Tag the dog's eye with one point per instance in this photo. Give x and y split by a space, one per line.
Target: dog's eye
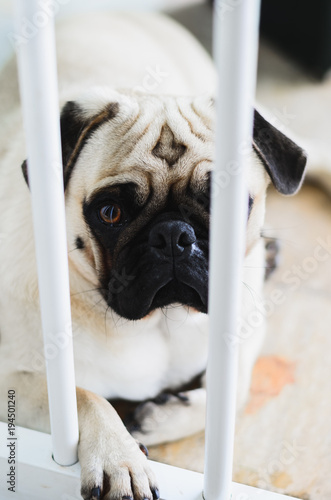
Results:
111 214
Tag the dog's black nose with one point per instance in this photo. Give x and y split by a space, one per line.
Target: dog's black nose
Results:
172 238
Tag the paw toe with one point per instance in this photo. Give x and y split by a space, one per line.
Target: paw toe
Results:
89 493
155 492
96 493
120 485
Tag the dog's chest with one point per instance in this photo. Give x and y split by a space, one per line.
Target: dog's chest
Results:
143 358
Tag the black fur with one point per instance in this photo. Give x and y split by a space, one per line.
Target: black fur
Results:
284 161
250 204
80 245
135 275
24 168
73 125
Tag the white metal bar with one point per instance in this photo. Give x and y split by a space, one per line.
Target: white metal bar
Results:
235 53
39 477
39 95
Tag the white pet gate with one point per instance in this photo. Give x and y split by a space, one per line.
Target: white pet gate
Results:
38 475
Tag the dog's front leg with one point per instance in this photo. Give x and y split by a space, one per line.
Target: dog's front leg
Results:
112 463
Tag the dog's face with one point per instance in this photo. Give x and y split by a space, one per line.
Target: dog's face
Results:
137 174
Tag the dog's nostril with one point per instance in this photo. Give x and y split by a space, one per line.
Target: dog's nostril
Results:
171 238
186 239
158 241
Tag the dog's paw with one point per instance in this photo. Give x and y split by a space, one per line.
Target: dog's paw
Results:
114 465
168 417
115 469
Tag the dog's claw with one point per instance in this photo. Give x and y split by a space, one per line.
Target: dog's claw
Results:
155 493
95 493
143 449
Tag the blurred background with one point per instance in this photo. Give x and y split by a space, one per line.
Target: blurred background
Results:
283 438
70 7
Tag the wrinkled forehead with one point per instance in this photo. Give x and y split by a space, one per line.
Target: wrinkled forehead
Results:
153 141
159 143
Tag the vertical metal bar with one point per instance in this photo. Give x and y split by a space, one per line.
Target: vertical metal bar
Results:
235 53
39 95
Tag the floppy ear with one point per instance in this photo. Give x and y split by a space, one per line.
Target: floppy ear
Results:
284 161
24 168
77 126
72 126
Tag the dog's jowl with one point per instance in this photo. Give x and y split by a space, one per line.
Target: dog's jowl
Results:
137 169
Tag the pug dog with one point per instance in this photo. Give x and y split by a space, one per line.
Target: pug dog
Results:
137 164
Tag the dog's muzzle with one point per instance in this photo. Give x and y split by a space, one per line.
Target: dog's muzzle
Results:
164 267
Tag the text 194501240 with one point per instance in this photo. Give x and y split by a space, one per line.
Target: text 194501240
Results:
11 441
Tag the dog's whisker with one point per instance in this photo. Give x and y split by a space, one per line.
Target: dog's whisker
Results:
257 267
88 263
91 309
253 293
282 228
96 304
97 289
275 238
287 241
105 318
